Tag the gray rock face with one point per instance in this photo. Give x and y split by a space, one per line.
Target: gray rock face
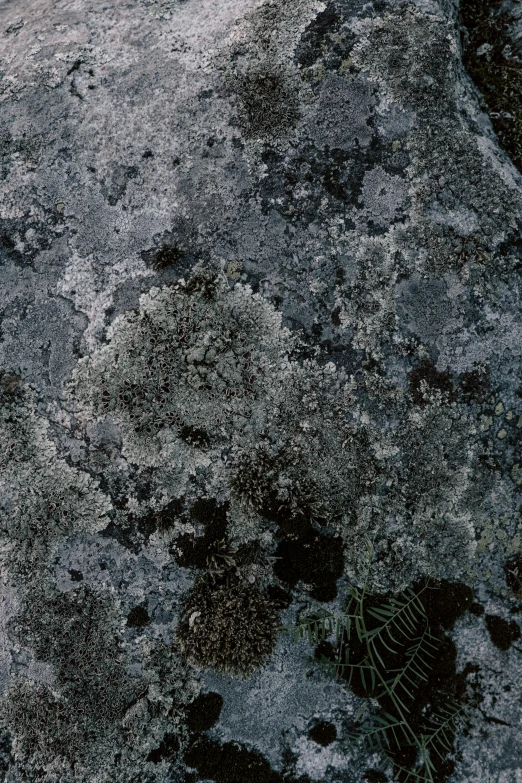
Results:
260 306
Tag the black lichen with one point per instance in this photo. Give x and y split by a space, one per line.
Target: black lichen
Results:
229 763
313 558
229 627
138 617
502 633
425 381
475 384
323 733
168 749
204 712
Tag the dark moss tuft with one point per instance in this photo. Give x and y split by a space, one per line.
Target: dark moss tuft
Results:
323 733
279 597
230 627
138 617
204 712
194 552
476 609
165 518
502 632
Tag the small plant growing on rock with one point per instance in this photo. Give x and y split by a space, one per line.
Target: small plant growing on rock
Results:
389 652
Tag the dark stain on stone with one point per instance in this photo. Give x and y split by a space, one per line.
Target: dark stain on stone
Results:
502 632
138 617
204 712
324 733
168 749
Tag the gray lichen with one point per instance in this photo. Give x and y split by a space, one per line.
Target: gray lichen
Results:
43 498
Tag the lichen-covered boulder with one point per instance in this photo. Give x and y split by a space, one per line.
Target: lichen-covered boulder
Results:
260 350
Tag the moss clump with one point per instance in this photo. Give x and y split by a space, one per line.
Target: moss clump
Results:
230 627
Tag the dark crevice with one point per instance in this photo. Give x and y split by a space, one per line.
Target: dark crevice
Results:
491 58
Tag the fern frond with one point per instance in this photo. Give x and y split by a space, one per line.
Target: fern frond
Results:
417 665
320 626
378 730
401 616
444 726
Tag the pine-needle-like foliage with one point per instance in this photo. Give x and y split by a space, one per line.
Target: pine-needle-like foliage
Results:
385 649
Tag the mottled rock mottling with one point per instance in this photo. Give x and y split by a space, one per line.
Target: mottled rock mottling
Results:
260 303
